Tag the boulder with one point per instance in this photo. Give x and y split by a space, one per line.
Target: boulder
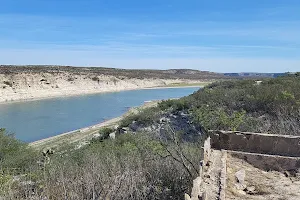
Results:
96 135
134 126
240 176
251 190
112 135
240 179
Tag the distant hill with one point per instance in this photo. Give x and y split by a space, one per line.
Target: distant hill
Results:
129 73
254 74
134 73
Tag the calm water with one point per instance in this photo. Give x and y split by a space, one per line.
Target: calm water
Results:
34 120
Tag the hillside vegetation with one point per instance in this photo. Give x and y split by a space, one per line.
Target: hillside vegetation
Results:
156 152
270 106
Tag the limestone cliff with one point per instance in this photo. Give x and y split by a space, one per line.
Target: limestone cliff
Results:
29 82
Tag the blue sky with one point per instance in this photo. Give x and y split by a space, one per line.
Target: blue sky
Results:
220 36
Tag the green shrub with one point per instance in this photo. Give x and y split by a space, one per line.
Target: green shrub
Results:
271 106
175 104
5 182
133 166
104 133
15 154
166 104
144 117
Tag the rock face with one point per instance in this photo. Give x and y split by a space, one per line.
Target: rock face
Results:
27 85
20 83
168 123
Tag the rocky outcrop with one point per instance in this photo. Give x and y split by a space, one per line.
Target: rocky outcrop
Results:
167 123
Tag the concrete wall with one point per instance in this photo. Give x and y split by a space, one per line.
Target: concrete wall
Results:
269 162
256 143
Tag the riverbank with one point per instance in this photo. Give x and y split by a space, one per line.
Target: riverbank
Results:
19 83
86 133
202 84
82 93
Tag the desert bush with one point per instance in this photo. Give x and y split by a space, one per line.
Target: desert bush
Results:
95 78
272 106
17 161
70 79
176 105
104 134
8 83
133 166
5 182
166 104
14 153
144 117
130 167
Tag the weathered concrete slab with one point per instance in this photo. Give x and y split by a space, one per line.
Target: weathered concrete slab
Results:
269 162
283 145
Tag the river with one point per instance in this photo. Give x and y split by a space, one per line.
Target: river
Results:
39 119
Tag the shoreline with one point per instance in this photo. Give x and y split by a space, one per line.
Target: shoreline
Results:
86 132
81 134
100 92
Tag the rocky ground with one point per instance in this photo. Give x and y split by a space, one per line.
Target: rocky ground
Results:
244 181
167 123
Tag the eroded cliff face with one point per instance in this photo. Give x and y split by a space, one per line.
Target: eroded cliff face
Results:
31 85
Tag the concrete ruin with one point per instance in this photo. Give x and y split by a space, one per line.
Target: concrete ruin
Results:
241 165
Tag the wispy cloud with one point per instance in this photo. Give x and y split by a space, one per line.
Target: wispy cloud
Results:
206 45
28 27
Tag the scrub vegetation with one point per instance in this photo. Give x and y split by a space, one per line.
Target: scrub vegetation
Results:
128 167
119 73
268 106
141 165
